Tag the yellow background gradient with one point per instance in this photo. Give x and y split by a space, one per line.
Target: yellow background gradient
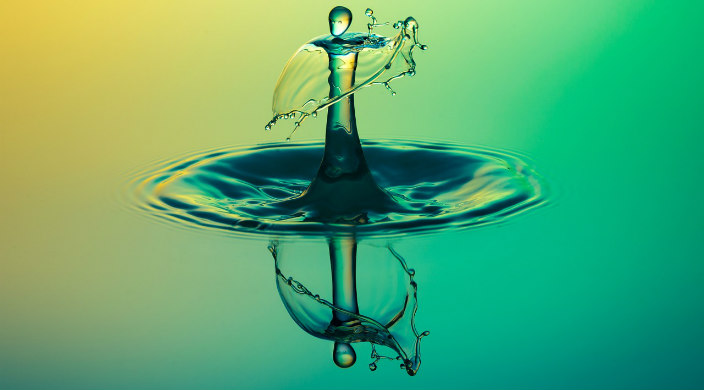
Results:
601 290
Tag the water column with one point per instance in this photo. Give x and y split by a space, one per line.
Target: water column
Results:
343 160
343 190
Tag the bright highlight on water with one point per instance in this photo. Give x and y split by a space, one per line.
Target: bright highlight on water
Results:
342 193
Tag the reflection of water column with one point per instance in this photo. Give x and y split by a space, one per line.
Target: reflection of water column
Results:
343 264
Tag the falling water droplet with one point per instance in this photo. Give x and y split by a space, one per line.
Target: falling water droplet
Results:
410 23
340 19
369 12
343 355
372 366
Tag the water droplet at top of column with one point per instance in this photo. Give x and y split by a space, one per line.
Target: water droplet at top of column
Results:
340 19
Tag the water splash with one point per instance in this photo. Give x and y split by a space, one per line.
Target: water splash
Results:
408 187
302 90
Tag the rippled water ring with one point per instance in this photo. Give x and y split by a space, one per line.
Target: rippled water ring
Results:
237 190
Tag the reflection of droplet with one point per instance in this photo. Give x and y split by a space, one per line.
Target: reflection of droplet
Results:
343 355
340 19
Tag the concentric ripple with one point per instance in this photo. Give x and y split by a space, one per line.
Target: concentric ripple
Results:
239 190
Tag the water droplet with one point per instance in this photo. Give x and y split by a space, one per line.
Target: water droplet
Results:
288 139
372 366
314 114
398 24
424 47
393 93
340 18
369 12
426 333
343 355
286 116
411 271
411 23
267 127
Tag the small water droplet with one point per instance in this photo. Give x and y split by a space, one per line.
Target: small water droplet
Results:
340 18
288 139
393 93
343 355
425 333
286 116
369 12
424 47
411 271
267 127
410 23
314 114
372 366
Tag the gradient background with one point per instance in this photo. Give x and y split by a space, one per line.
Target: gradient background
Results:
602 290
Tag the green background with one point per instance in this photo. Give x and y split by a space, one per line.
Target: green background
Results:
602 289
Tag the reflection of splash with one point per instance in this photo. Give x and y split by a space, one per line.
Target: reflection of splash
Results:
302 89
393 328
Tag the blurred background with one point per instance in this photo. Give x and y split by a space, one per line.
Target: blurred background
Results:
602 289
